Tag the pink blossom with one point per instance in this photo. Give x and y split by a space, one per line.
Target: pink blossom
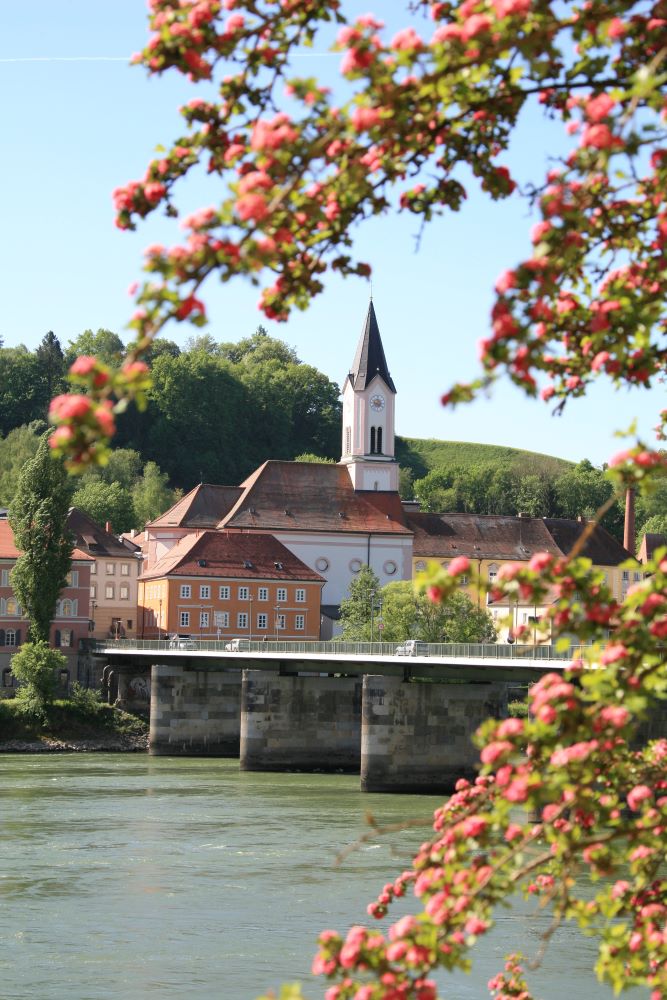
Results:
599 107
445 32
253 181
598 136
252 206
614 653
475 926
617 28
365 118
600 360
539 561
406 39
509 727
504 8
575 752
458 565
477 24
492 751
513 832
71 406
517 790
637 795
506 281
615 715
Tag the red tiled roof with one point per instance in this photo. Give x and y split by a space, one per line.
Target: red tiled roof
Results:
92 538
479 536
232 555
305 496
8 549
203 507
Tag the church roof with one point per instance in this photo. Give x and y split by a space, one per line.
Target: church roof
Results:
232 555
369 360
307 496
202 507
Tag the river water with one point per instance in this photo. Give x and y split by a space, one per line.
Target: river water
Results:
128 877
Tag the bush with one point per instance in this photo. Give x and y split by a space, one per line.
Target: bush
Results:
35 667
86 701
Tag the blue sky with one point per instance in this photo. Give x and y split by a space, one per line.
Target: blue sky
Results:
77 121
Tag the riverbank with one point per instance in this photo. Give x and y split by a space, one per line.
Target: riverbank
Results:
72 727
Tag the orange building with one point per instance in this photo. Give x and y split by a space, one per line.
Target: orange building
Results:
222 585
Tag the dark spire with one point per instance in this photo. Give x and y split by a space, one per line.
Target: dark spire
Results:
369 360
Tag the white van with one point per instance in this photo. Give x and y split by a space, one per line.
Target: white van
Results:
412 647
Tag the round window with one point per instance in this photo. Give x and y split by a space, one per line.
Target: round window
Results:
390 567
322 563
420 565
355 565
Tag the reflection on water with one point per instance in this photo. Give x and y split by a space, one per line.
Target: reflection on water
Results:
127 877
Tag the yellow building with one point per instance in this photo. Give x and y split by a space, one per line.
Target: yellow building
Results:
490 541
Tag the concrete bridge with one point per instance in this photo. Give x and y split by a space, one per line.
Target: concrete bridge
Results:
403 723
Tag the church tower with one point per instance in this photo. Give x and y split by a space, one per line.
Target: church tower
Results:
369 398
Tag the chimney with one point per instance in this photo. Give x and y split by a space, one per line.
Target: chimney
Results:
629 527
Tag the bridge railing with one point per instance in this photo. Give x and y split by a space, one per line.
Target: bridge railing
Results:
440 650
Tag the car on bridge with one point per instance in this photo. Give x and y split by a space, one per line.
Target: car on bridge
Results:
182 642
237 645
412 647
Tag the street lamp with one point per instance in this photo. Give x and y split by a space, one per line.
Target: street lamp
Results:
250 619
277 609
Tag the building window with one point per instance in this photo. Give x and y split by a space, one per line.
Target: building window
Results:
244 593
108 592
203 619
636 577
282 594
110 569
4 578
66 637
263 594
300 622
463 581
261 621
222 619
205 592
67 608
300 594
124 592
280 621
129 623
93 569
626 576
242 619
493 572
11 606
224 593
73 578
10 637
93 590
124 569
420 565
184 619
186 590
390 567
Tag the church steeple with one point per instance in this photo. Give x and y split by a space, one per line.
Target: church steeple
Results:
369 360
368 414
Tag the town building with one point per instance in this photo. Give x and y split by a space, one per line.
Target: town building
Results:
114 577
70 624
334 518
223 585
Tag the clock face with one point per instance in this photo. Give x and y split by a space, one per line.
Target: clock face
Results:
377 402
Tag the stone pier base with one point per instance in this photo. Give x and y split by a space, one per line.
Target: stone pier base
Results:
309 723
194 712
418 737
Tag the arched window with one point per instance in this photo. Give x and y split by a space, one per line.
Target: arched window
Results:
379 441
493 572
66 608
12 606
372 440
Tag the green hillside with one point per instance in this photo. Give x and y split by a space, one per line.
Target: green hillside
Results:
422 456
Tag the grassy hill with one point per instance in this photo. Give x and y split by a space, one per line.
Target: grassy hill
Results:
424 455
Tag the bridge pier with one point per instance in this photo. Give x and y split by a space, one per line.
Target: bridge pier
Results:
310 723
418 737
194 712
